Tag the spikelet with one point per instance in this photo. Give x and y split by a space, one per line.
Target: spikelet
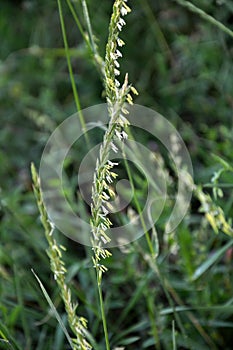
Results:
77 324
116 95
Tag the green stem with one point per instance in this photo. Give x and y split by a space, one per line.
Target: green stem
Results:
211 185
89 39
156 30
137 204
151 310
89 28
99 278
174 335
77 21
75 92
205 16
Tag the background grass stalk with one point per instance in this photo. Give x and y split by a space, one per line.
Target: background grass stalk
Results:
67 50
205 16
77 324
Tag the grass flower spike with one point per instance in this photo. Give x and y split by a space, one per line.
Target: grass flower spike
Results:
77 324
116 95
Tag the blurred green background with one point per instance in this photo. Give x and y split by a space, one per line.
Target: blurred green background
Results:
182 67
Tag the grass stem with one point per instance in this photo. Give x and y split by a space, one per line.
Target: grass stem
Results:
205 16
75 91
102 309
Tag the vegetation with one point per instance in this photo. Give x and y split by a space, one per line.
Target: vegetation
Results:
164 290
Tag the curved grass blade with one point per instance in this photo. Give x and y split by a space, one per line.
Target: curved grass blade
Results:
53 308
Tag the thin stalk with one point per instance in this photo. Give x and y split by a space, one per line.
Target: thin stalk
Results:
151 311
211 185
77 21
75 92
174 335
205 16
89 28
102 309
137 204
156 30
89 40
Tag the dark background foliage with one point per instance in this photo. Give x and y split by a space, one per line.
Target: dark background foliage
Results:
182 67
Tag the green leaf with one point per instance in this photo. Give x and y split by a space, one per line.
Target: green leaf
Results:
211 260
8 340
53 308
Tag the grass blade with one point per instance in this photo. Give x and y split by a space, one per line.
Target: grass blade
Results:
210 261
53 308
205 16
